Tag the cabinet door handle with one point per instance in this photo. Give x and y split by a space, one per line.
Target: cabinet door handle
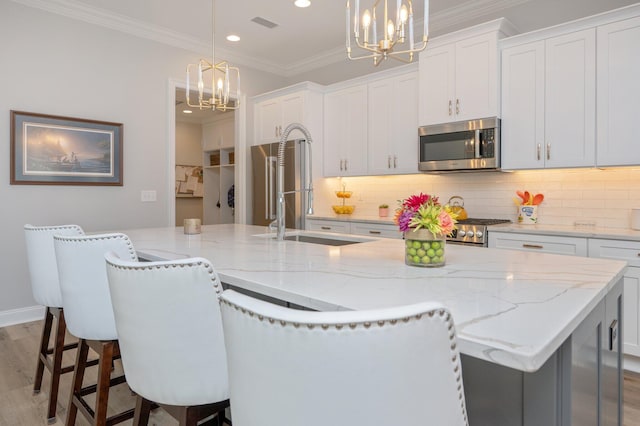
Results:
325 228
450 105
388 161
457 106
548 151
341 167
375 232
533 246
538 151
395 161
345 164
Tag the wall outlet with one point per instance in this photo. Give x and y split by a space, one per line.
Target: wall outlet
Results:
148 196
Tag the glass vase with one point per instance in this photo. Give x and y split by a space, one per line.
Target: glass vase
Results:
422 248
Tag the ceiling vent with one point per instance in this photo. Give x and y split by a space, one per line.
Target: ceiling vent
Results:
264 22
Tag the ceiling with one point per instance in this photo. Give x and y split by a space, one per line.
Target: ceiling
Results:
305 39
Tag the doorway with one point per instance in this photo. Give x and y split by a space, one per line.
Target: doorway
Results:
204 166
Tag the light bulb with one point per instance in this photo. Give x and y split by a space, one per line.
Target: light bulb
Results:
390 29
404 14
366 20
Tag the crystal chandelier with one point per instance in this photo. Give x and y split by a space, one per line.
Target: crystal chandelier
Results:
396 39
220 88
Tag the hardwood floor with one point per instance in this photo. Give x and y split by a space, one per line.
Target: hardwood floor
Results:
19 407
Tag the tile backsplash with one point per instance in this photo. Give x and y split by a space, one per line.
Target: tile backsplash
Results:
598 197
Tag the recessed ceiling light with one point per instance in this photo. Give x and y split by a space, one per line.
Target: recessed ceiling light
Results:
302 3
233 37
187 111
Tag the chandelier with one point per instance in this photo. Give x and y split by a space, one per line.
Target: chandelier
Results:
396 40
218 96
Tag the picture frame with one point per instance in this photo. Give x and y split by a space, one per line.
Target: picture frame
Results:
54 150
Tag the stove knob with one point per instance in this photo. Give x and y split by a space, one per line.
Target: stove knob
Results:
461 233
470 234
479 234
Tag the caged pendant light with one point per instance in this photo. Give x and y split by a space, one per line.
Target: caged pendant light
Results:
220 74
396 38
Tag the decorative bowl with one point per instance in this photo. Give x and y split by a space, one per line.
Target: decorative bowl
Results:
343 209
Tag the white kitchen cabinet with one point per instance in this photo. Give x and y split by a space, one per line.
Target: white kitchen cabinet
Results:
575 246
629 251
393 124
273 115
548 102
384 230
345 132
365 228
339 226
459 75
618 93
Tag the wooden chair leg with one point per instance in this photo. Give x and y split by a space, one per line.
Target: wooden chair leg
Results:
42 353
143 408
103 385
76 386
56 370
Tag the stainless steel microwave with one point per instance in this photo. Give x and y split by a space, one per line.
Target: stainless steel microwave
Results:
461 146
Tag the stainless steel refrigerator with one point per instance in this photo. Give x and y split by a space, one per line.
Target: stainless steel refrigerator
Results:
264 159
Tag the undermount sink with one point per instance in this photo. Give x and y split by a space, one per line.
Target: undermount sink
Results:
319 238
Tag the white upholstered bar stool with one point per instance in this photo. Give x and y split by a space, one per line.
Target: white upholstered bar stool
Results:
396 366
170 335
43 272
89 315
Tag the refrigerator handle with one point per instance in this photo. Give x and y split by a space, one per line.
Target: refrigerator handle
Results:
270 186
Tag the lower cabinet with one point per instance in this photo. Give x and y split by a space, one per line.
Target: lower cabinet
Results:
575 246
629 251
369 229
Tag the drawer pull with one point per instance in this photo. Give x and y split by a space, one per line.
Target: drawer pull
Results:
533 246
326 228
378 233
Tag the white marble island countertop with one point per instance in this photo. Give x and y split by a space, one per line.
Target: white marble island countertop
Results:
511 308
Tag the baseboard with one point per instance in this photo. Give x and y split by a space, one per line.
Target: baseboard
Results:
632 363
19 316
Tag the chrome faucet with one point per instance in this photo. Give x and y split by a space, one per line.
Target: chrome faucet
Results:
280 209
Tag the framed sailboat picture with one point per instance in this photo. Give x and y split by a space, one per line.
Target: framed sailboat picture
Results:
53 150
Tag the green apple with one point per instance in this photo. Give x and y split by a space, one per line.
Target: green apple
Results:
440 252
416 259
436 245
425 259
431 252
420 252
411 252
416 244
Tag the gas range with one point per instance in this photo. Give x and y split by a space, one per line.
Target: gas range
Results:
473 231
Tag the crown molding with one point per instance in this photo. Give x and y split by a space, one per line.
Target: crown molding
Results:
93 15
77 10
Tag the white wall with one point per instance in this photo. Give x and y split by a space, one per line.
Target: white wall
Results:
56 65
604 197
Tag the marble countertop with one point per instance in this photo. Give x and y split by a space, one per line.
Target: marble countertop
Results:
512 308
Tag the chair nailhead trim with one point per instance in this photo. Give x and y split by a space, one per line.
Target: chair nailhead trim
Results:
214 277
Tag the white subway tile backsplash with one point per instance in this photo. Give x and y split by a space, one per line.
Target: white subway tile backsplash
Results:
603 196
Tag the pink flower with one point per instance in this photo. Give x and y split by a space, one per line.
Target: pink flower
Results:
446 222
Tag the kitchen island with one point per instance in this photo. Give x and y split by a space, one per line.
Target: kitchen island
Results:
538 332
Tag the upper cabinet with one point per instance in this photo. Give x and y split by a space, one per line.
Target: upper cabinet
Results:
274 111
618 93
570 93
548 102
459 74
371 125
345 143
393 125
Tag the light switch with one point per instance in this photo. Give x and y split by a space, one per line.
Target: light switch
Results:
148 196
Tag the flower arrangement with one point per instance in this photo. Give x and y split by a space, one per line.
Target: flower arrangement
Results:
424 211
